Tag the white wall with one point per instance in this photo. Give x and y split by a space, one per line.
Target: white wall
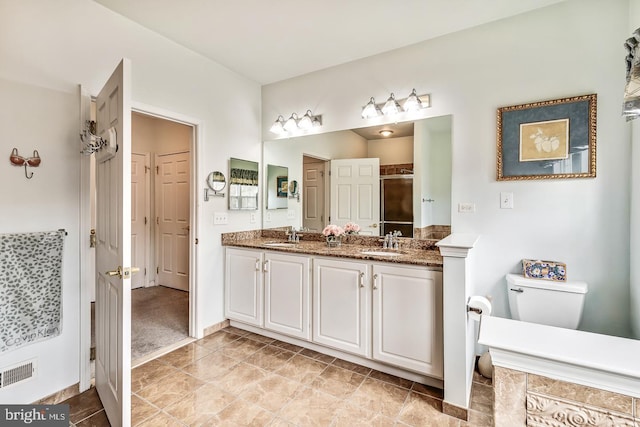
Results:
634 23
571 48
45 120
392 151
57 45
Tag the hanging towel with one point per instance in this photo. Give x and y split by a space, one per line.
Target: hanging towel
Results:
30 287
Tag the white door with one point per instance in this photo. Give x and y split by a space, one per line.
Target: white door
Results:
113 249
139 217
172 219
313 195
243 293
341 305
355 193
407 318
287 296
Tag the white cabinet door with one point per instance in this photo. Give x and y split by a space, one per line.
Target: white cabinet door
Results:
243 286
407 318
342 305
286 294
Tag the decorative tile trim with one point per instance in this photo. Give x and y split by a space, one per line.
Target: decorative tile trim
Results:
579 393
60 396
455 411
216 327
543 411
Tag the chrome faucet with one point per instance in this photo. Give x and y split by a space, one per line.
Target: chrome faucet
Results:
293 236
395 243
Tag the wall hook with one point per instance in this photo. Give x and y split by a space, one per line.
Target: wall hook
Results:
17 160
26 173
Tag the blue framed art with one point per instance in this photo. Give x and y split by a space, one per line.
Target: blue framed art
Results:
547 139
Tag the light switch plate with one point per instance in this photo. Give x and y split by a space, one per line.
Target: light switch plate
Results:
220 218
506 200
466 207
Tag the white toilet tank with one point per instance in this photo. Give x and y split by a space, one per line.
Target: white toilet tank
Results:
546 302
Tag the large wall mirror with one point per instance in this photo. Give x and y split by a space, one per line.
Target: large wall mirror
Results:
243 184
277 187
414 181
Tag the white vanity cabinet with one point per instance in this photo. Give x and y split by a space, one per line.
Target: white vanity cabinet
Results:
243 286
407 318
342 305
269 290
385 315
287 299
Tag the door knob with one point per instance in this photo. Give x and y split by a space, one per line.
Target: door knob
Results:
123 272
117 272
187 228
374 225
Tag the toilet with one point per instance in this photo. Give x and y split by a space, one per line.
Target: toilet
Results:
546 302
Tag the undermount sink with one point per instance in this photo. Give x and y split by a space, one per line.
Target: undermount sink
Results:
280 244
381 253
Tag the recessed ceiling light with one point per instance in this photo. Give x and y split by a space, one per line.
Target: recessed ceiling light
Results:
386 132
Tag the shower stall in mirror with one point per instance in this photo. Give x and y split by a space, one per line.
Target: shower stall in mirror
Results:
396 204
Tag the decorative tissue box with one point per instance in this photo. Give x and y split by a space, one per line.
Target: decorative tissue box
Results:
547 270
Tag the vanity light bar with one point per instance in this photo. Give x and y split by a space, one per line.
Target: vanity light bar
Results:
295 125
391 106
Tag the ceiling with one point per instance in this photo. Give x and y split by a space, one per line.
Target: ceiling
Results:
269 41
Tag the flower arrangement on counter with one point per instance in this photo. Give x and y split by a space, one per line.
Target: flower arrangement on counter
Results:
351 228
333 230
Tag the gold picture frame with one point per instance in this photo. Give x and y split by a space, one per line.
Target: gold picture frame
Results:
553 139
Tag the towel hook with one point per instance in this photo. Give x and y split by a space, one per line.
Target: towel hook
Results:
17 160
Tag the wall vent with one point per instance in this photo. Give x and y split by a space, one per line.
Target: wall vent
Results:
19 373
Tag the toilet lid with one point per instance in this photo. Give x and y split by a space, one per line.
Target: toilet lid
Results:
577 287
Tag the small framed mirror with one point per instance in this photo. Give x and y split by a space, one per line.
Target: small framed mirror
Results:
277 186
243 184
216 182
294 193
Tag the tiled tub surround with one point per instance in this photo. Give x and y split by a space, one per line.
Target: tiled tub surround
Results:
421 252
432 232
566 378
523 398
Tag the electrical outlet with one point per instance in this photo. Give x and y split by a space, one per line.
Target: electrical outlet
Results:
252 218
506 200
291 214
220 218
466 207
267 217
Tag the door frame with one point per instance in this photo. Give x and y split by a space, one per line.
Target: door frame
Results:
197 140
327 184
147 211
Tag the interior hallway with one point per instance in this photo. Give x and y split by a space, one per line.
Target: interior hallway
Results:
234 377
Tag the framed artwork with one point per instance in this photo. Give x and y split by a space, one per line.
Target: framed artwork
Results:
282 186
548 139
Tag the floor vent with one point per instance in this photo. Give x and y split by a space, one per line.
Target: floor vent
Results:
16 374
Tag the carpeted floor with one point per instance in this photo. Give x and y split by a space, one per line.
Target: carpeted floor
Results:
159 317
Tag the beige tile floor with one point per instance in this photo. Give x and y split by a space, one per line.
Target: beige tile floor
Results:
237 378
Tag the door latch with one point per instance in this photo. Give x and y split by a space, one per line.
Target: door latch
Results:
123 273
92 238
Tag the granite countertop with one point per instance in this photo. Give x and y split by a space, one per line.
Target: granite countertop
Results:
419 253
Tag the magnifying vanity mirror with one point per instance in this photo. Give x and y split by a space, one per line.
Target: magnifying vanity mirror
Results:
416 152
294 192
216 182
